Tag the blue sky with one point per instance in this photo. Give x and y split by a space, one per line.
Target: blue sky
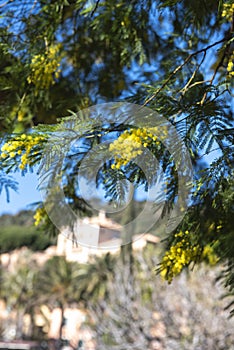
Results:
26 195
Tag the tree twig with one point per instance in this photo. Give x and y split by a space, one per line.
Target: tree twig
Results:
95 8
178 68
186 87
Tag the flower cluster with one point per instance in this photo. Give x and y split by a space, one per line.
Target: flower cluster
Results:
230 66
178 256
131 143
39 216
20 147
228 11
22 113
209 255
45 68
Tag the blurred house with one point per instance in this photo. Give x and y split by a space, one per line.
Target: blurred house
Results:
97 236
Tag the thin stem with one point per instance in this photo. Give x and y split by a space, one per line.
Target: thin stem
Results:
204 50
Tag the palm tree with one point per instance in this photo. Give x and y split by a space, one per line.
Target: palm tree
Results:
17 290
93 277
58 285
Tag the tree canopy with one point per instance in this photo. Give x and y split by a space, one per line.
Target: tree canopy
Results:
173 57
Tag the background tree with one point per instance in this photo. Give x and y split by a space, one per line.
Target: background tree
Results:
94 276
58 285
18 292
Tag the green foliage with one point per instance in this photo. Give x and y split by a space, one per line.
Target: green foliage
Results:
15 237
22 218
58 283
100 271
